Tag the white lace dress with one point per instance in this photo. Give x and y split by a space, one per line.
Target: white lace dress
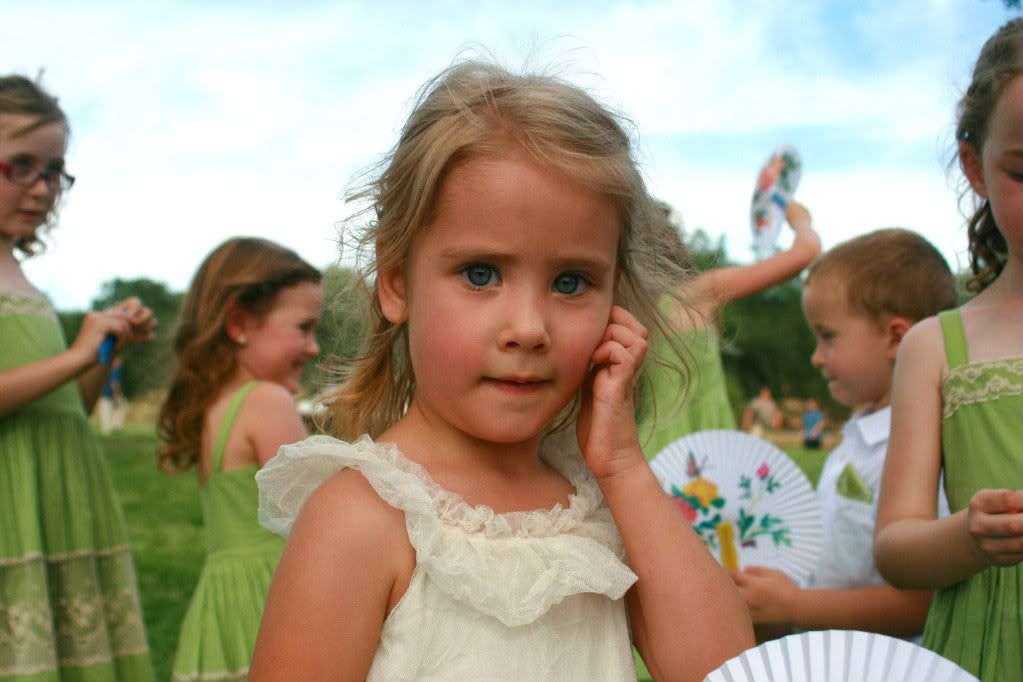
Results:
518 596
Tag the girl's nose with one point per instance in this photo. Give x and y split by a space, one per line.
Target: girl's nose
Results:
312 349
525 326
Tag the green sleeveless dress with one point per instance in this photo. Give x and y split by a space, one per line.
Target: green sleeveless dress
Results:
219 629
706 406
978 623
69 601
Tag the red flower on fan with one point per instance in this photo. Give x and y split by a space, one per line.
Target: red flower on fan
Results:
763 471
688 511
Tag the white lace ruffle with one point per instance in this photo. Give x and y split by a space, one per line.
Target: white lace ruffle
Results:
513 566
979 382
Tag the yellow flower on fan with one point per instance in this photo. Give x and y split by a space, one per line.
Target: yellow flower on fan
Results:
702 489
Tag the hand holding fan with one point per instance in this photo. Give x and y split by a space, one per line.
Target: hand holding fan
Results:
746 499
839 656
776 184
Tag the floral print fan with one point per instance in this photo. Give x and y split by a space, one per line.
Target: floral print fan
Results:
776 184
746 499
847 655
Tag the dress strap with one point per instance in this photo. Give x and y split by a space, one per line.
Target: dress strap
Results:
955 338
228 421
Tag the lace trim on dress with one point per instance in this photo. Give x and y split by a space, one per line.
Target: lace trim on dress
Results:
979 382
514 566
69 613
22 304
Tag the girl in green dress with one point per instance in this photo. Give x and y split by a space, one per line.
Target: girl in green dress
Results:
706 404
958 405
69 603
247 329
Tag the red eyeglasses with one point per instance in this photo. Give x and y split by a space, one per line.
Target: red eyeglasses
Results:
28 174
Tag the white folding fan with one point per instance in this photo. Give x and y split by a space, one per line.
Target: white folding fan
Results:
776 183
748 501
839 656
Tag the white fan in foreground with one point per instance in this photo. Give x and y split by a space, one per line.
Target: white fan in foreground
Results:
839 656
749 502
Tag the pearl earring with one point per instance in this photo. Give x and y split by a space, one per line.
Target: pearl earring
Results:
242 340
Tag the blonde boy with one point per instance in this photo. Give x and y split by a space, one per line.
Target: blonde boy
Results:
859 298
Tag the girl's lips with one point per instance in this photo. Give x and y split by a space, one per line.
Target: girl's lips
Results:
518 387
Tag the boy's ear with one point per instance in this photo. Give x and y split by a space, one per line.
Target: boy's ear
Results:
973 168
895 329
391 292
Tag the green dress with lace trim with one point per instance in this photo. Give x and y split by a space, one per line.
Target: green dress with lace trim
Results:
69 601
706 405
219 630
978 623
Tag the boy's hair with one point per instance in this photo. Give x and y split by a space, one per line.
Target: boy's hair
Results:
475 110
19 96
892 272
1000 60
244 272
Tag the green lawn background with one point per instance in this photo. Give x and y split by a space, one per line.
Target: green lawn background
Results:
165 525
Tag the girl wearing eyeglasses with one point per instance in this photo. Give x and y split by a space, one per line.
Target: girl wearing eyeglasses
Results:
69 603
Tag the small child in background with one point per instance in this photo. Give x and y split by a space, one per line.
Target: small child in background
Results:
958 404
693 318
475 521
813 424
69 602
860 298
246 330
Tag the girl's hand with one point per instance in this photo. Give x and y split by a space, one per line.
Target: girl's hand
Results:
606 427
95 327
140 318
994 521
768 593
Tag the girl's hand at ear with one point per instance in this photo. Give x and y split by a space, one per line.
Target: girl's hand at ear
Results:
606 427
994 521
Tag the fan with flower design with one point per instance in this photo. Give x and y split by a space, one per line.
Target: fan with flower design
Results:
746 499
776 183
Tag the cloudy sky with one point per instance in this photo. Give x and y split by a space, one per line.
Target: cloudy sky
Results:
196 120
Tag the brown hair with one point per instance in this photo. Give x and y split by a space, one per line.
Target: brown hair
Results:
999 62
473 110
246 272
21 97
889 272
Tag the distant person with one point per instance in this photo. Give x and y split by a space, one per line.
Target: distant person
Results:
246 330
112 407
446 533
762 414
813 424
860 298
69 603
706 403
958 404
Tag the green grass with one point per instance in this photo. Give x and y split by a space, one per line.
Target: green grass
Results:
165 525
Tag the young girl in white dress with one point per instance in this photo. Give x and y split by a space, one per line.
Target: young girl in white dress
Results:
489 513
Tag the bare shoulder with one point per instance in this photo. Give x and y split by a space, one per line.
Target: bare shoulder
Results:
270 397
924 346
347 506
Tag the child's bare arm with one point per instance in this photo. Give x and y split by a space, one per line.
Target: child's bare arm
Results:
912 548
332 588
686 614
774 599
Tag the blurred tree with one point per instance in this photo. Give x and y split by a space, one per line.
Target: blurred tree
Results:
341 327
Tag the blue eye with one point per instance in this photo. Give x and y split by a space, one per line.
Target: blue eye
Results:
479 275
569 283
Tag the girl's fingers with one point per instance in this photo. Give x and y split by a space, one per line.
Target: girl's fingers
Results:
628 339
996 525
620 315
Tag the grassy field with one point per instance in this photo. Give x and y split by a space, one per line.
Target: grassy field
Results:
165 523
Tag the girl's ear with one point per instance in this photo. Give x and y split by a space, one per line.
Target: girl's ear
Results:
391 292
238 323
973 167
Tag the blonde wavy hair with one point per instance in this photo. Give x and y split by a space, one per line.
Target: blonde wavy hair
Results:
244 272
470 110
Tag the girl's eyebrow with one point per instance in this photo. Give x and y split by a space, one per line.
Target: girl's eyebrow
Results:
581 261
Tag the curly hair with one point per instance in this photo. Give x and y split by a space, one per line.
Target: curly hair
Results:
20 96
999 62
243 272
472 110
